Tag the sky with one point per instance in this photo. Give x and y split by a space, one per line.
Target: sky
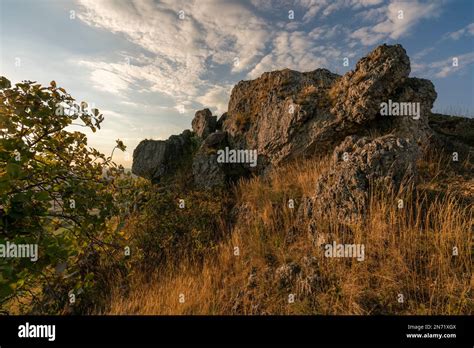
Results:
149 65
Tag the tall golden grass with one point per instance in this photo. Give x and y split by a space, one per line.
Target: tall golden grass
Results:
408 251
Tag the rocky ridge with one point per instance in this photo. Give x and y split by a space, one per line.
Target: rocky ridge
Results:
286 114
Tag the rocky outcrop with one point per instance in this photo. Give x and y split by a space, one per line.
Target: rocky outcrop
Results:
204 123
221 120
154 159
357 165
208 171
287 114
281 113
357 96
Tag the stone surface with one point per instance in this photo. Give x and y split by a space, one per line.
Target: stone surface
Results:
154 159
357 96
287 114
204 123
207 171
221 120
357 164
277 113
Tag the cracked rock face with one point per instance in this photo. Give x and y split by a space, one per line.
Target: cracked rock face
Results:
286 114
357 164
207 171
420 91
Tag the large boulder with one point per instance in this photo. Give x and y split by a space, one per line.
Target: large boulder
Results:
204 123
155 159
287 114
277 113
359 164
358 94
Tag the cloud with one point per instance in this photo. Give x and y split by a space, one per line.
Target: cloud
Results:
183 38
297 51
400 17
216 99
444 68
456 35
108 81
313 8
111 78
367 36
326 32
373 14
191 48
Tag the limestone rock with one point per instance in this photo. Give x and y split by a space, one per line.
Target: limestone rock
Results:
154 159
357 96
357 164
204 123
207 171
221 120
287 114
277 113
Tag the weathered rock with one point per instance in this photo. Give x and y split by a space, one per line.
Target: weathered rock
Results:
459 130
207 171
4 82
286 114
357 164
272 113
357 96
204 123
420 91
221 120
154 159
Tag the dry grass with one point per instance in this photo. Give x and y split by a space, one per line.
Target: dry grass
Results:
408 251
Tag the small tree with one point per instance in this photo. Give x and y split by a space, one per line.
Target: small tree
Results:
53 191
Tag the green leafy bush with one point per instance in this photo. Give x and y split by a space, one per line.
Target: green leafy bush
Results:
53 193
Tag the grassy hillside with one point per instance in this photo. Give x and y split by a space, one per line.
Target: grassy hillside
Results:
262 257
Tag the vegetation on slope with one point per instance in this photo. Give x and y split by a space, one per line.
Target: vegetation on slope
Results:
129 247
422 251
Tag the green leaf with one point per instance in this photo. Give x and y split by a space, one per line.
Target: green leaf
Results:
42 196
120 145
13 170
